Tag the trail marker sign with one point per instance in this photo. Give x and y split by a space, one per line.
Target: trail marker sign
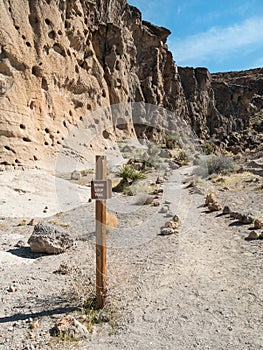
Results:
101 189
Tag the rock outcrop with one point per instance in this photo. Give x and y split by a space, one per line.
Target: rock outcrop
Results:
62 60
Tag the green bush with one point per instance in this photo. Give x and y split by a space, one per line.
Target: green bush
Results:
209 148
127 172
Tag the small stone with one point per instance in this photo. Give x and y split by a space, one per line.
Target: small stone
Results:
226 210
234 215
253 235
164 210
69 327
20 244
12 289
214 206
167 202
159 180
102 317
171 224
31 222
34 324
258 224
155 203
32 335
165 231
210 198
176 218
75 175
148 200
245 218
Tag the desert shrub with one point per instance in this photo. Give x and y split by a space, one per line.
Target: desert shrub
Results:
182 158
127 172
215 165
170 141
135 188
209 148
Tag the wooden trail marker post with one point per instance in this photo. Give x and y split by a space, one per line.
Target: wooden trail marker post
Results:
100 191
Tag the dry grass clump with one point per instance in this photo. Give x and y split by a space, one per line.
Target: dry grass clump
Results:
111 220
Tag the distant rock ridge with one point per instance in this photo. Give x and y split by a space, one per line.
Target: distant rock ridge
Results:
62 60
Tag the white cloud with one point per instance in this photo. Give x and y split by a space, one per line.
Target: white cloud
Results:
219 42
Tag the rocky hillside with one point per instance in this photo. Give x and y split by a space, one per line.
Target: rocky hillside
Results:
62 60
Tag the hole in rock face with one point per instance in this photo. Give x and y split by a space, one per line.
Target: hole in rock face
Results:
65 123
47 130
88 107
59 32
70 113
44 84
52 34
80 118
121 124
33 20
35 158
26 139
47 21
36 70
105 134
28 44
23 37
46 143
17 161
22 126
59 49
67 25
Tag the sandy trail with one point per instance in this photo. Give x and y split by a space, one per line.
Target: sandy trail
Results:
200 289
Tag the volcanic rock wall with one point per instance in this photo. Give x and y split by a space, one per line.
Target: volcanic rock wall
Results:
61 60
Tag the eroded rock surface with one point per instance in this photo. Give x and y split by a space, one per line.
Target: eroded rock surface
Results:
62 60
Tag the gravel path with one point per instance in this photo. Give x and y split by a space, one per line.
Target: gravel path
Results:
200 289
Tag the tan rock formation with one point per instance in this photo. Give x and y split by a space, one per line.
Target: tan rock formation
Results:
62 60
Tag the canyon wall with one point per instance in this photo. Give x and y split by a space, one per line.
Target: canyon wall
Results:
62 60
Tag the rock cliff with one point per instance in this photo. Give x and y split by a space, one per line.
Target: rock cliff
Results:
61 60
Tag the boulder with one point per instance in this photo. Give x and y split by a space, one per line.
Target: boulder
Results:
49 239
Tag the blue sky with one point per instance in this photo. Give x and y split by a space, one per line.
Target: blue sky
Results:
222 35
